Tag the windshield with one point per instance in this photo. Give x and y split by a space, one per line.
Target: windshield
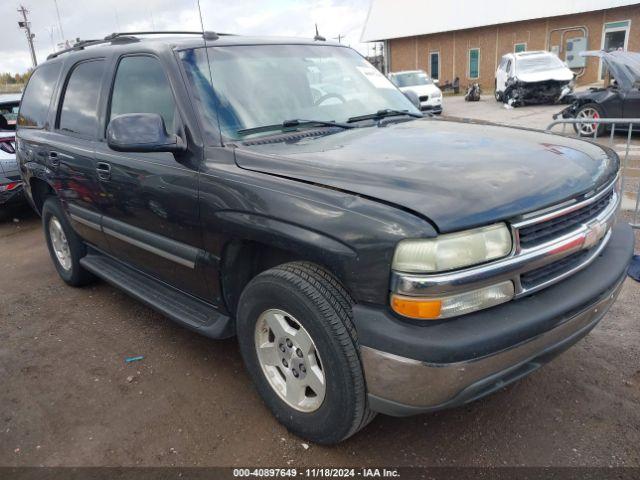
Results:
410 79
540 63
255 86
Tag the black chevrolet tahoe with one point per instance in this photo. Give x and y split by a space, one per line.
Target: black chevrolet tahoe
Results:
283 191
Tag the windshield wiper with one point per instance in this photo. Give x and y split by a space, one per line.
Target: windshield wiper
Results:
293 124
387 112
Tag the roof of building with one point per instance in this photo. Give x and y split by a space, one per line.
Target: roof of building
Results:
407 18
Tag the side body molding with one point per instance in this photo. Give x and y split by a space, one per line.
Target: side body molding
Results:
167 248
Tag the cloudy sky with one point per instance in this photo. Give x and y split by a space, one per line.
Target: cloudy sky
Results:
97 18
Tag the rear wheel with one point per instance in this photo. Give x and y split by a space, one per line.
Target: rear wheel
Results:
65 247
300 348
589 111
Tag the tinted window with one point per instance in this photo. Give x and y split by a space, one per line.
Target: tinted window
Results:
37 96
79 113
142 87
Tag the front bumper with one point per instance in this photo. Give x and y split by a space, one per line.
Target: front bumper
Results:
413 367
433 105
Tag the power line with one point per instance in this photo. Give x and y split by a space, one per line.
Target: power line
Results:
55 2
26 26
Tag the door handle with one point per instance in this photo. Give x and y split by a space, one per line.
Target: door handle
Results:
54 159
104 170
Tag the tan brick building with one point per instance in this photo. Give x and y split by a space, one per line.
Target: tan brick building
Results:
466 39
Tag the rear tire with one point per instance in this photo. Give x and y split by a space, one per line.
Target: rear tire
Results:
300 306
65 246
586 111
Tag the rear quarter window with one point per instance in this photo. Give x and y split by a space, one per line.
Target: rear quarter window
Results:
37 96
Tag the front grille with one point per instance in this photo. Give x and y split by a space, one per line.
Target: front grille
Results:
542 232
543 274
424 98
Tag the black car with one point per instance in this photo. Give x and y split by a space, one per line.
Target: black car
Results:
620 99
367 259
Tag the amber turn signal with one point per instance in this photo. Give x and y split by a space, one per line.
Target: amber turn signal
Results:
420 308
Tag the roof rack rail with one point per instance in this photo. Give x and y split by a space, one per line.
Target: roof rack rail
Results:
208 35
122 37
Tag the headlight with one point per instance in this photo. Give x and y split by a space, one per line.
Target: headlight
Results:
454 250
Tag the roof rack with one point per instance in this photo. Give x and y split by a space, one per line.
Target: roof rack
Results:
128 37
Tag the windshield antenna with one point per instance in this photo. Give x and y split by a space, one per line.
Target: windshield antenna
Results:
317 38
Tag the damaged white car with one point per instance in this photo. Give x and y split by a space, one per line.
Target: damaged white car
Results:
532 78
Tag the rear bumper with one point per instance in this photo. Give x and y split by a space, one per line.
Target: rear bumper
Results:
413 368
13 197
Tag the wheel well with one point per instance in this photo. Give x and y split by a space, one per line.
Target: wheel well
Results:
40 190
242 260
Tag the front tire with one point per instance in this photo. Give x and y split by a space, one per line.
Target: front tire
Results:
299 345
496 93
65 246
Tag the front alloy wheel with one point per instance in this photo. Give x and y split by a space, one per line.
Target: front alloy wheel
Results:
289 360
298 342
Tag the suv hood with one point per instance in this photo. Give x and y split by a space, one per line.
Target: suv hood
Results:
457 174
555 74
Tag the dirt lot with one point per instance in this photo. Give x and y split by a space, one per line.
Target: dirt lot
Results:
69 398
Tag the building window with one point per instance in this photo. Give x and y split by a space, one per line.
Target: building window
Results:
474 62
434 65
615 36
519 47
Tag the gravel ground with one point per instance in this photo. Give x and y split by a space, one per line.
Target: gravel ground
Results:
68 397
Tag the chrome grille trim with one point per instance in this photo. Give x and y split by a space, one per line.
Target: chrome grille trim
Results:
521 260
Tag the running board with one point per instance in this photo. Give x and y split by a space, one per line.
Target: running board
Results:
178 306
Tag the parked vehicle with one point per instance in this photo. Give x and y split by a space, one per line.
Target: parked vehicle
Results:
422 85
9 105
11 192
619 99
532 78
367 259
473 93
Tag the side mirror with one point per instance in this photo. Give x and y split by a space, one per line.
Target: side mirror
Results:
413 98
142 132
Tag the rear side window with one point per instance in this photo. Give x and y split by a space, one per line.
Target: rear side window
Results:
141 86
37 96
79 112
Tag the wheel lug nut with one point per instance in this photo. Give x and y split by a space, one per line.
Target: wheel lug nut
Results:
284 362
289 343
299 352
281 347
295 373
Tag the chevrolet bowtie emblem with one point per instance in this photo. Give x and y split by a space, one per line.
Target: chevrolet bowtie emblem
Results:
595 231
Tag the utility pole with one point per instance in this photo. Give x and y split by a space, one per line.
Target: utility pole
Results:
26 26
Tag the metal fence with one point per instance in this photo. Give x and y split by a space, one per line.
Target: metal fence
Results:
593 128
